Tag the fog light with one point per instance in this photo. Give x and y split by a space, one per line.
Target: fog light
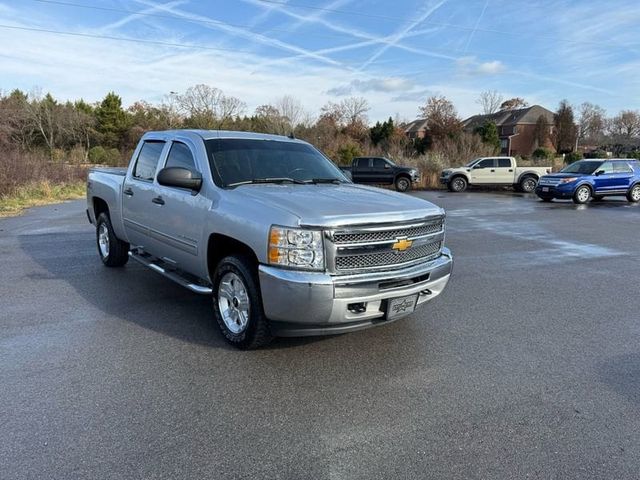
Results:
357 307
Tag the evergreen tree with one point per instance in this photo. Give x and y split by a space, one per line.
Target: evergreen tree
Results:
112 120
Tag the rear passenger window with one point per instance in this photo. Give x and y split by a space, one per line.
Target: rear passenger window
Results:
145 168
504 163
363 163
180 156
622 167
606 167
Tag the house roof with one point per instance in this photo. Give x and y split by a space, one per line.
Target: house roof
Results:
416 126
521 116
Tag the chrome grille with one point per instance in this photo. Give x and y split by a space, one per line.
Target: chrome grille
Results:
389 257
341 238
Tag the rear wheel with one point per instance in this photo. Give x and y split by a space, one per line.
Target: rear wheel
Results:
634 194
528 184
113 251
582 195
403 184
237 303
458 184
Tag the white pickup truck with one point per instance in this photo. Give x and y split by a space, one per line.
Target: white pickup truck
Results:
493 171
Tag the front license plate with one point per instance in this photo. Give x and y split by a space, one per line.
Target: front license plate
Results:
399 307
545 189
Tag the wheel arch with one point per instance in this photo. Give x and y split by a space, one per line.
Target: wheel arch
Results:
100 206
528 173
220 246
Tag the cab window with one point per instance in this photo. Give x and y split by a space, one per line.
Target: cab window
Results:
486 163
147 161
180 156
504 163
379 163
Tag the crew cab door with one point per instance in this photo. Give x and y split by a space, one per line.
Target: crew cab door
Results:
381 171
361 172
483 171
139 192
505 171
177 224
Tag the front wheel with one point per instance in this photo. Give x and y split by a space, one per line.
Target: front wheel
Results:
458 184
113 251
634 194
403 184
582 195
237 303
528 184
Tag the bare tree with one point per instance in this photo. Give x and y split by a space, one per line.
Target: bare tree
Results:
490 101
591 122
626 124
291 109
44 116
513 104
355 110
209 107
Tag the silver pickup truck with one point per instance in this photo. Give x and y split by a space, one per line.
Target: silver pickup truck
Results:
269 227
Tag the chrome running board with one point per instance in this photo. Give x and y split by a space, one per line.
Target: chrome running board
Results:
154 264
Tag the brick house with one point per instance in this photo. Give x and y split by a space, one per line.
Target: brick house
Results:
416 129
516 129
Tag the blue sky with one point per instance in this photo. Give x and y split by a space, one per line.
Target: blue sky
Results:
394 53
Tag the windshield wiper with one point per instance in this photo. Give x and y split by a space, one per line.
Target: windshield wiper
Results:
335 181
268 180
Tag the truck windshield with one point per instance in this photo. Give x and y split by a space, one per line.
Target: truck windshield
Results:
472 162
586 167
237 161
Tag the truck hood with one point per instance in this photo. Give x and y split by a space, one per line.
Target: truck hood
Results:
334 205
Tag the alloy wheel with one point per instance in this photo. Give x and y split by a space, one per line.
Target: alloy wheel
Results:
233 302
103 240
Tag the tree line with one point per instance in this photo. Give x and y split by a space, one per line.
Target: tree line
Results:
106 132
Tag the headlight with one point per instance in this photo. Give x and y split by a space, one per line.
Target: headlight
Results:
568 179
296 248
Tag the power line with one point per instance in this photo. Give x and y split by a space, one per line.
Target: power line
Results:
123 39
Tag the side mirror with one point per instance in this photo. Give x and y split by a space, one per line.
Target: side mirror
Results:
181 178
600 172
387 166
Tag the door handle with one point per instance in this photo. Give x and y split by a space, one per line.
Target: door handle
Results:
493 170
128 192
511 170
158 201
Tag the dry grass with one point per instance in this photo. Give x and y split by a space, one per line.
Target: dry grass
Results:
42 193
28 179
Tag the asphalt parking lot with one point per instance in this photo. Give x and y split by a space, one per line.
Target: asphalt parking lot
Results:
527 366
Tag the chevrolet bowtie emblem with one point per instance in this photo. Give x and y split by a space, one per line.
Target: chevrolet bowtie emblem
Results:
402 244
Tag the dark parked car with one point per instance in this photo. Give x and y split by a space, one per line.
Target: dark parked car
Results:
593 179
380 170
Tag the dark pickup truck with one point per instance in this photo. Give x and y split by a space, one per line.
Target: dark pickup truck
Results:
380 170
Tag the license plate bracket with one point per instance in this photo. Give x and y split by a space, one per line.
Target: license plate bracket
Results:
401 306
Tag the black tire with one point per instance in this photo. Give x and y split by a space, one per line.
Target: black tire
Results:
458 184
528 184
113 251
403 184
582 195
633 195
256 333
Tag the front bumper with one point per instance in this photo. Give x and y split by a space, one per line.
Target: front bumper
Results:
557 191
301 304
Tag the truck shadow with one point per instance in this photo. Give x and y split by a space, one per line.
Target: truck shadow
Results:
621 374
133 293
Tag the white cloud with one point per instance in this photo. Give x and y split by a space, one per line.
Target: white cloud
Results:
390 84
471 66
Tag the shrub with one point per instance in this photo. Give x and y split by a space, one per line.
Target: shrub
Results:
572 157
100 155
347 152
541 154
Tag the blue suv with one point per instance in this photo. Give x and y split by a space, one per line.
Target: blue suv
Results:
593 179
